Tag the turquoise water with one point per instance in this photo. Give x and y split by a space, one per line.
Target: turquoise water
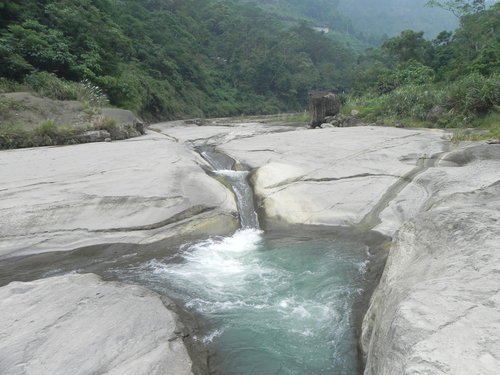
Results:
270 305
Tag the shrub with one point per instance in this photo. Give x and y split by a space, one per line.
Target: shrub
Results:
409 73
92 94
105 123
7 85
48 84
48 128
474 94
412 101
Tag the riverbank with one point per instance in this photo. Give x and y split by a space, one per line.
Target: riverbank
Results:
154 188
28 120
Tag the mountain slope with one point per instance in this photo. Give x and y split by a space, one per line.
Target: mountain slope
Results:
170 58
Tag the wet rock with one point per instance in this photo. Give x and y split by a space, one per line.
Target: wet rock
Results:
79 324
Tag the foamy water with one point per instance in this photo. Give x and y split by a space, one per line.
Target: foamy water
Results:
272 306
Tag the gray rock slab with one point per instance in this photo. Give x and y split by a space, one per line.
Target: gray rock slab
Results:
217 134
321 176
137 191
331 176
466 168
437 307
79 324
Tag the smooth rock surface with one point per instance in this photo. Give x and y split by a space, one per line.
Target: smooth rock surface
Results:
79 324
323 176
332 176
467 168
136 191
437 308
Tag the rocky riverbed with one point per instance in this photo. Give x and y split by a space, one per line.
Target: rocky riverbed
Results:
436 309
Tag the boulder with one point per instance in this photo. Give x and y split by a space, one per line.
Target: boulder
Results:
435 113
322 105
92 136
79 324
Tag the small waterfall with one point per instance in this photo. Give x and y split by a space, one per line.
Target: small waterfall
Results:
238 180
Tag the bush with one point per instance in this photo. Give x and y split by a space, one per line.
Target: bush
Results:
92 94
412 101
48 128
409 73
105 123
7 85
48 84
474 94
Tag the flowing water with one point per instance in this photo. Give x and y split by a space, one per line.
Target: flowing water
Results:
271 304
238 181
275 302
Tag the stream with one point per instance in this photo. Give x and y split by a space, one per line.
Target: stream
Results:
280 301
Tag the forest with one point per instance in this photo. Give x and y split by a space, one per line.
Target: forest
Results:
167 59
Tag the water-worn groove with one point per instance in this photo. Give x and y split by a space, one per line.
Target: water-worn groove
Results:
372 218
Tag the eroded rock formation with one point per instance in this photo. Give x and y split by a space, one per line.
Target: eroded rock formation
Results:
136 191
79 324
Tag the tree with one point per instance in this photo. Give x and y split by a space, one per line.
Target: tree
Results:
409 45
459 8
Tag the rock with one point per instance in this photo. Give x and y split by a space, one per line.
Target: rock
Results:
93 136
140 127
326 177
354 112
435 113
123 118
107 140
196 121
351 121
322 105
330 176
465 169
437 307
79 324
140 190
120 135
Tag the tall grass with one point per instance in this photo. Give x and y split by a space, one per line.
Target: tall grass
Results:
464 103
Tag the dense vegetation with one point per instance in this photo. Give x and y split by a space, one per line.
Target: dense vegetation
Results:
177 58
451 81
170 58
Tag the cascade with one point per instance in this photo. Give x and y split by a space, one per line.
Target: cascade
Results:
238 180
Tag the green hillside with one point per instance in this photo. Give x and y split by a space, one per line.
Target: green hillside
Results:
170 58
167 59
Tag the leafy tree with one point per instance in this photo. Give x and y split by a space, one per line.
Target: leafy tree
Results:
31 44
409 45
460 8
